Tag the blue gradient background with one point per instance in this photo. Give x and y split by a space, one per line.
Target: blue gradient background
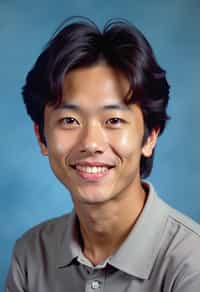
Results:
29 191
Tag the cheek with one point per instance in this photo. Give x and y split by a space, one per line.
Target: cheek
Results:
58 144
127 144
60 148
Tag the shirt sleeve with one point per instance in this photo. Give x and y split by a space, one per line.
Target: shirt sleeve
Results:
15 281
188 283
188 272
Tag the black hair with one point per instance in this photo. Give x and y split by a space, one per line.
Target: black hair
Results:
121 45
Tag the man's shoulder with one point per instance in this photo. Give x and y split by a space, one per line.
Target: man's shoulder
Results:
182 222
174 221
181 242
178 253
47 231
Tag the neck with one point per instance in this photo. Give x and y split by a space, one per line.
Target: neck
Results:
105 226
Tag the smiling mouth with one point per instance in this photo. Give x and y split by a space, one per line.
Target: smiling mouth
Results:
92 173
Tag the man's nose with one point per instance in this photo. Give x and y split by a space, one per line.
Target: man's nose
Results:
93 139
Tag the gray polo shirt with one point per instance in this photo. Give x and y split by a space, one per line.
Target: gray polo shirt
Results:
161 254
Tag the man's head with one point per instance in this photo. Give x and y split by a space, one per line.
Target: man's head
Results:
82 45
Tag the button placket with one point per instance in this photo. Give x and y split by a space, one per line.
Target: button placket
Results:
95 281
95 284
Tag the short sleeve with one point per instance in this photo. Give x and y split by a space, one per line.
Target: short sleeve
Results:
188 283
15 281
188 271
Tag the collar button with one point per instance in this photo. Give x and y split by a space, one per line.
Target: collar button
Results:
95 285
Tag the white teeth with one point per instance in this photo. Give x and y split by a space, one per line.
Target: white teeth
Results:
93 169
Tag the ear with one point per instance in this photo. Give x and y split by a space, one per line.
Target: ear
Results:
43 147
150 144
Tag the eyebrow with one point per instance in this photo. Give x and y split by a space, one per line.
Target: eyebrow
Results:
64 106
76 107
118 106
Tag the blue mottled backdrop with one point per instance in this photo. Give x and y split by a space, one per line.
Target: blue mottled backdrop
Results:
29 192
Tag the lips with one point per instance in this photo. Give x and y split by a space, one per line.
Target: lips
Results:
92 171
97 164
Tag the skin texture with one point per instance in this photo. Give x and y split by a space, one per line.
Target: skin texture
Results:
93 125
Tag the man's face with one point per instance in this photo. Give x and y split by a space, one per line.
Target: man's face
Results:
94 140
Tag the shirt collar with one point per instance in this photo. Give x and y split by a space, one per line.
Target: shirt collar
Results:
138 252
69 244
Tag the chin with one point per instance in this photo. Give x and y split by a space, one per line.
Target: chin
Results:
91 199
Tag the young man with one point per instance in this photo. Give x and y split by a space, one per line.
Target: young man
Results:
98 102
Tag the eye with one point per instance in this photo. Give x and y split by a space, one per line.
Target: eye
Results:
69 122
115 121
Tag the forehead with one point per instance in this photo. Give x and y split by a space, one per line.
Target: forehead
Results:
99 85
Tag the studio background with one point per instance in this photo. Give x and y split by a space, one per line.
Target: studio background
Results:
29 191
